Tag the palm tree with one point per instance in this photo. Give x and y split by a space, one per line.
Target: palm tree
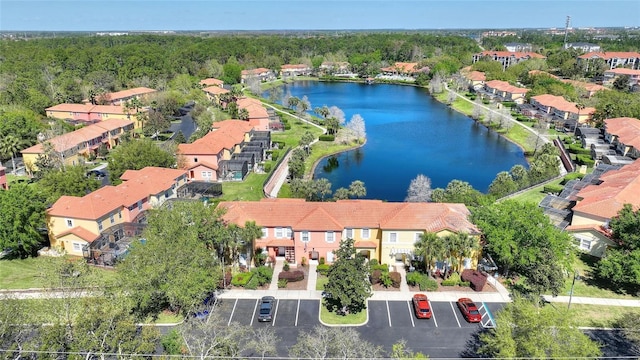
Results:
9 146
579 106
462 246
243 114
430 246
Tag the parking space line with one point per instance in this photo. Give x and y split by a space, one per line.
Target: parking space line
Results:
433 315
410 314
454 314
233 311
297 312
253 316
275 314
388 312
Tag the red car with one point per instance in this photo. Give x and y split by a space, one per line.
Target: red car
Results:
421 306
469 310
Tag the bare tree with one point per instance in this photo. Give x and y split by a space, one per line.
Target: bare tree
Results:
477 112
253 83
333 342
451 97
419 189
337 113
357 126
264 342
212 337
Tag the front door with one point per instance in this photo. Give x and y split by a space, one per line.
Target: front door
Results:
281 251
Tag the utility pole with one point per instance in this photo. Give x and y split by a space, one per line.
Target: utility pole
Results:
575 276
566 30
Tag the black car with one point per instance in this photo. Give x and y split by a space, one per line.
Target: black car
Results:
267 307
98 174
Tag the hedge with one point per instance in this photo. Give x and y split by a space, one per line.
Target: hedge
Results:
578 149
281 144
323 269
427 284
263 274
291 276
476 279
584 160
241 279
396 278
381 267
453 280
571 176
553 189
326 138
268 166
413 278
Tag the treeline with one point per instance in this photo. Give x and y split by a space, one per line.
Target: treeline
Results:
39 73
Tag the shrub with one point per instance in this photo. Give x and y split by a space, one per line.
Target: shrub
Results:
381 267
584 160
241 279
323 269
303 261
552 189
326 138
427 284
280 144
508 104
275 155
571 176
453 280
226 282
476 279
373 262
267 166
321 261
252 284
464 283
292 276
375 277
282 283
395 278
286 266
414 278
287 126
262 274
385 279
578 149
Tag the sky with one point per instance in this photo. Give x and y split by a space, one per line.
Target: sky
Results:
132 15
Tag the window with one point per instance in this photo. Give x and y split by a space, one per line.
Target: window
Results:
304 236
119 214
77 246
99 225
265 232
112 218
289 233
195 159
329 236
365 233
348 233
393 237
279 232
69 222
139 204
585 244
417 237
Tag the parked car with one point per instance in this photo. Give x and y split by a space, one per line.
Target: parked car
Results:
98 174
421 306
469 310
267 307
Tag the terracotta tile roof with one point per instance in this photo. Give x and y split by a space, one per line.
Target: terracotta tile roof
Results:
623 71
365 244
205 164
226 135
318 216
514 54
610 55
618 187
80 232
403 67
215 90
591 87
257 71
72 139
626 129
254 107
560 103
477 76
540 72
129 93
594 227
295 67
138 185
505 86
211 81
79 108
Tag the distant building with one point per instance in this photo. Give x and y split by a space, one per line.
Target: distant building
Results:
262 74
611 75
583 46
295 70
613 59
120 97
506 58
518 47
211 82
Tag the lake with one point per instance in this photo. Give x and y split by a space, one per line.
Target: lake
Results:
408 133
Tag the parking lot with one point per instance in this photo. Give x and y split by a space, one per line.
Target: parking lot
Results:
382 314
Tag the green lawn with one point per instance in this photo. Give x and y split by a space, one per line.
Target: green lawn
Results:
597 316
250 189
27 274
536 194
322 149
519 135
335 319
321 282
588 285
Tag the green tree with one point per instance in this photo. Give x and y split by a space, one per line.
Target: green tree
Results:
135 155
462 246
72 181
621 83
173 268
156 123
400 351
520 175
430 247
180 139
458 191
21 218
306 140
524 330
296 163
502 185
521 238
348 282
341 194
9 146
357 189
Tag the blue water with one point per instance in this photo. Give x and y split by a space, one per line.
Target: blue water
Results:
408 133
